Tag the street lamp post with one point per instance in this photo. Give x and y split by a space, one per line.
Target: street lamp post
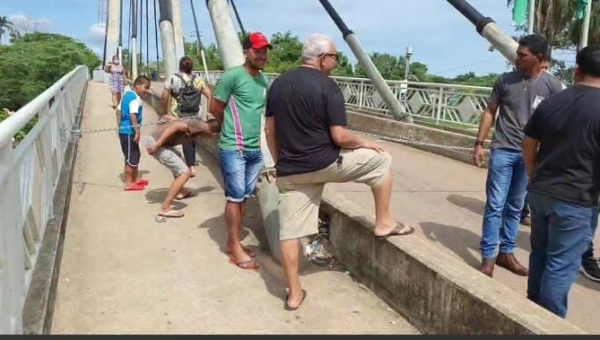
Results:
409 53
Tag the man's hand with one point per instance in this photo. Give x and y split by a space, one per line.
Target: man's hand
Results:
136 138
152 149
478 155
373 146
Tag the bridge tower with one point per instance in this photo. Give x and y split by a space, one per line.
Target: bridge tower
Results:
113 28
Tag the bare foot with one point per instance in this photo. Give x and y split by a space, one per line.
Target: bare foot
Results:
192 171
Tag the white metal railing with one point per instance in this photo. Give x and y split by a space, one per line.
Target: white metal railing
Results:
29 174
440 104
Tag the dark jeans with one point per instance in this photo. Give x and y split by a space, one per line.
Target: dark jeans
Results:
525 212
560 233
189 153
589 254
505 191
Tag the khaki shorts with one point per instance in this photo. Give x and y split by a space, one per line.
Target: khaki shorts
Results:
300 195
169 158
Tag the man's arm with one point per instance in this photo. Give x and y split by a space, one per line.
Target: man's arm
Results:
222 93
336 119
530 152
170 131
134 107
165 101
271 137
533 134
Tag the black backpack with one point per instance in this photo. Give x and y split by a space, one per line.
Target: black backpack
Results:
188 97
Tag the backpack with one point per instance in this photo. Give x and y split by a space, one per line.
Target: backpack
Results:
188 98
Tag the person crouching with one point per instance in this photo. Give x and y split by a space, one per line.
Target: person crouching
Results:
160 145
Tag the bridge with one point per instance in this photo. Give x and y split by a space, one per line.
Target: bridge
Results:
80 256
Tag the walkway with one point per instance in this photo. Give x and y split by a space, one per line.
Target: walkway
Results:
445 199
124 273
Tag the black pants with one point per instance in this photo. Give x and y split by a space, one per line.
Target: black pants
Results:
189 149
189 153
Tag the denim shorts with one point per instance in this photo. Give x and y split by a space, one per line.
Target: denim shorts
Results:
240 172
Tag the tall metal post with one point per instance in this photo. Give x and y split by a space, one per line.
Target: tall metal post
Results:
531 21
488 29
366 63
199 40
585 28
230 47
134 56
167 38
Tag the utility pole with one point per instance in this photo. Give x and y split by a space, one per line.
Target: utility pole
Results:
585 28
133 52
199 40
407 62
531 21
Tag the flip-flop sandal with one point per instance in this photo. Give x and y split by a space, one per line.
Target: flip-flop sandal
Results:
401 229
246 250
248 265
143 182
135 187
287 307
172 214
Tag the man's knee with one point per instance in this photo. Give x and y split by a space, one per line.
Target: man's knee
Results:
381 169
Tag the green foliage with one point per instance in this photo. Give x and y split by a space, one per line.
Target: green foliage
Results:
33 63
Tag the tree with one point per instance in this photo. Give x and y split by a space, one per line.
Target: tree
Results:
5 27
390 67
35 62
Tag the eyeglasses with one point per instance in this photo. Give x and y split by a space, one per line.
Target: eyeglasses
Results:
335 56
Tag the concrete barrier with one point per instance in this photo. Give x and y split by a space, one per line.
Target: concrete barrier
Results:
395 129
434 291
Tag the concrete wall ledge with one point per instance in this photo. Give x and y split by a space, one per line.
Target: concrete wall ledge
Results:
434 291
389 127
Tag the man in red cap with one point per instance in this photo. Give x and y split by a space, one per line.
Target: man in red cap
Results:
238 104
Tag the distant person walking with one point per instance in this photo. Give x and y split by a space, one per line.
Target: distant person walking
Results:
181 98
117 80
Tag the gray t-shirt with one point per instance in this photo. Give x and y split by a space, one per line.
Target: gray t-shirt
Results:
517 98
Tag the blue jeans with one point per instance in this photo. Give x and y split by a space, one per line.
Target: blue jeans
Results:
240 172
505 189
560 233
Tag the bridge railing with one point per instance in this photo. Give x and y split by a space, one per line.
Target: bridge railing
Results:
438 104
29 173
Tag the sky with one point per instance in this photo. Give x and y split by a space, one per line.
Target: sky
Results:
439 36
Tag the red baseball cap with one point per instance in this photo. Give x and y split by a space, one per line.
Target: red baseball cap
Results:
256 41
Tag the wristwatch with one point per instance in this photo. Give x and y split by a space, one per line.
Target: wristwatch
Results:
478 143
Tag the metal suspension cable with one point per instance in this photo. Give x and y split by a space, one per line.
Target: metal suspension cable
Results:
237 15
147 39
121 23
156 37
140 53
200 45
129 38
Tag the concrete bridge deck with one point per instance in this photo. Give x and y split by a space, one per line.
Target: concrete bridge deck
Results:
122 272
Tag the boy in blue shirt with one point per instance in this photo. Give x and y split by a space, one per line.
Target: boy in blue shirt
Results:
129 117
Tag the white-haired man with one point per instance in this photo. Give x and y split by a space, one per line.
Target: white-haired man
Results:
308 139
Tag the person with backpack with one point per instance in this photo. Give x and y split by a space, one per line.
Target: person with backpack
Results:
185 88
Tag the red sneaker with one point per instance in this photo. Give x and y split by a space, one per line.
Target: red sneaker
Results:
135 187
